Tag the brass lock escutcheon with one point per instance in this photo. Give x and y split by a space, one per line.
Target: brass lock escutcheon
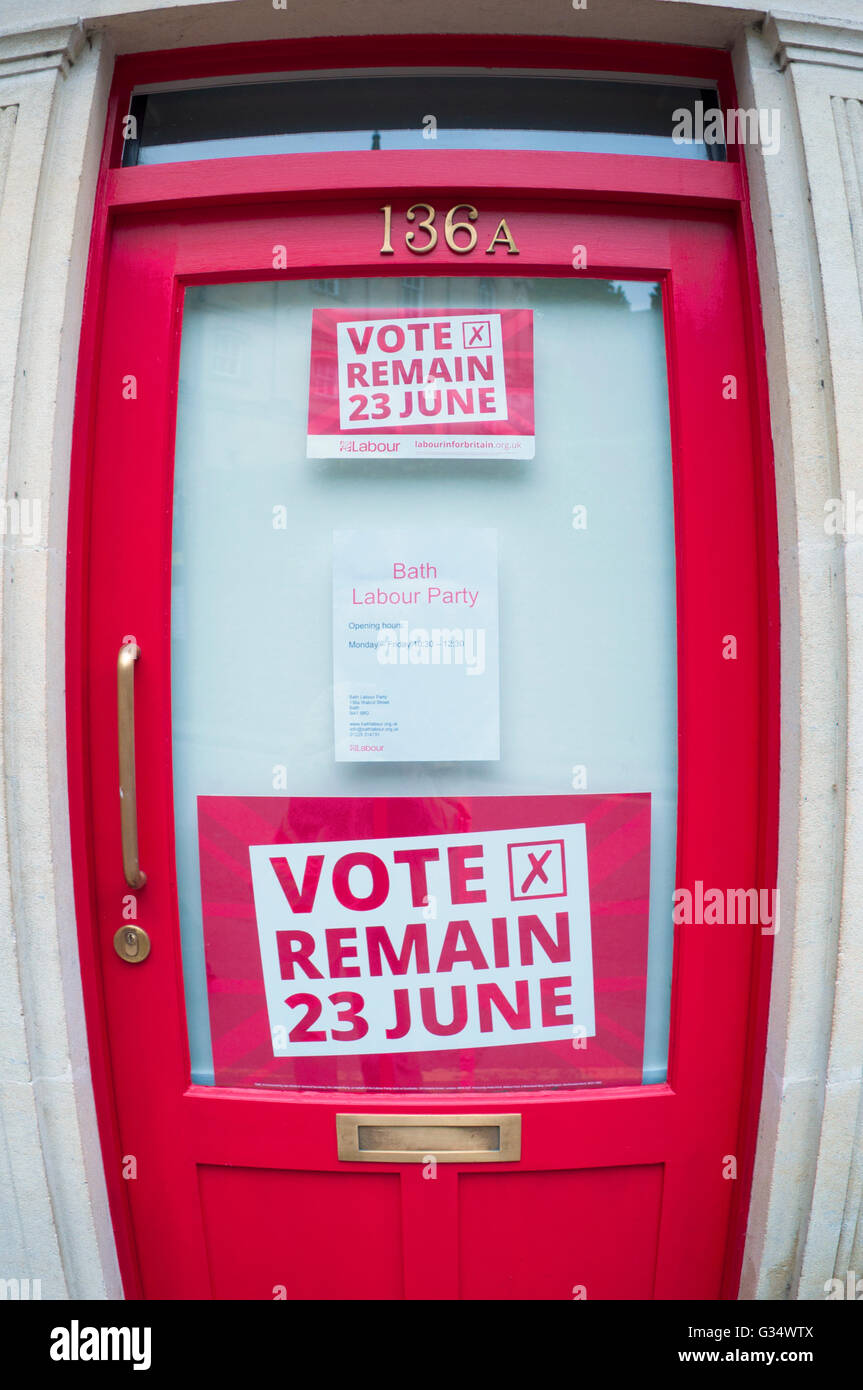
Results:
132 944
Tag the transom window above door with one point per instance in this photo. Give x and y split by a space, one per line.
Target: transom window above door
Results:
420 110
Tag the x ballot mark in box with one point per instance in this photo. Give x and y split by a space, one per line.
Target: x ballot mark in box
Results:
537 870
476 333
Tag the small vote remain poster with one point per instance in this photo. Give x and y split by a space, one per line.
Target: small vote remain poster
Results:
429 944
403 383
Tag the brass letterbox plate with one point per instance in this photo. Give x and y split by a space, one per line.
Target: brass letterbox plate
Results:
419 1138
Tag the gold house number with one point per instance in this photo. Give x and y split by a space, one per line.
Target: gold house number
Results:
460 235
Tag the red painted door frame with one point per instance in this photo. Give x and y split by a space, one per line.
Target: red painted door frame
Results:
159 228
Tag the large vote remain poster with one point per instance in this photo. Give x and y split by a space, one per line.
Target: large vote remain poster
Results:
402 943
409 383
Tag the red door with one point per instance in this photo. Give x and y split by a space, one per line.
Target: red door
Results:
284 1172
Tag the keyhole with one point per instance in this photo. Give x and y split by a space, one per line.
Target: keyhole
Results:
132 944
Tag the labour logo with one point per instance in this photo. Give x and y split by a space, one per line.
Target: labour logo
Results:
537 870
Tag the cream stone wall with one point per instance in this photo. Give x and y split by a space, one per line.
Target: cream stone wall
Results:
54 1224
805 1223
804 59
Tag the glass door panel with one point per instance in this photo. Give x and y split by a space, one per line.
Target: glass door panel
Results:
576 704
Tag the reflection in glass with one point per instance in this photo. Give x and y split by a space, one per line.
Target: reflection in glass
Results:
422 111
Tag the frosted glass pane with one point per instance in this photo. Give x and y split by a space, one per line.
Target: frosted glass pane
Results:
587 613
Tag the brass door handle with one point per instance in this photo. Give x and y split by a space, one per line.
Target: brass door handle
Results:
135 876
